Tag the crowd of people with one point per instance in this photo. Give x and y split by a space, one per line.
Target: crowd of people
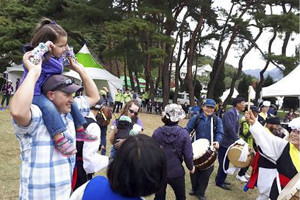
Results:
60 136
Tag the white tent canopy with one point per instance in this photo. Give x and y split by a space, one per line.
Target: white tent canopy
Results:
14 72
101 77
288 86
226 93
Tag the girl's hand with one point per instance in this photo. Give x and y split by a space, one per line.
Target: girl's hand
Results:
50 45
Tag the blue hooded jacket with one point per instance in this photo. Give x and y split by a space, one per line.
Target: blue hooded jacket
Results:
203 127
50 67
176 143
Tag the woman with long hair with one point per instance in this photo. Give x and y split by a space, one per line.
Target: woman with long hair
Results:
130 110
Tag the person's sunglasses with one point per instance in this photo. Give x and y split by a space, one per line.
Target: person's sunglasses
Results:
66 82
133 112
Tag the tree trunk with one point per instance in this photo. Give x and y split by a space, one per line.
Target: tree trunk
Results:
166 76
170 24
118 67
285 43
125 74
137 83
157 81
177 68
261 74
130 72
212 83
217 65
236 77
189 74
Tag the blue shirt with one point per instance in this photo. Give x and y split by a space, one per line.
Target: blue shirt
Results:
203 128
195 109
99 188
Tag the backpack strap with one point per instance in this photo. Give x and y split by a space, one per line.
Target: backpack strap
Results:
244 135
193 132
88 122
215 122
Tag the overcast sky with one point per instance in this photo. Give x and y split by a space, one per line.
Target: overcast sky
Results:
253 59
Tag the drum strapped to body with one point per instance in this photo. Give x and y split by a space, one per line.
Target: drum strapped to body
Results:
204 154
291 190
234 154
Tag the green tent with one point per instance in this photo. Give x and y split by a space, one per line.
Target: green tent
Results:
101 77
141 81
85 57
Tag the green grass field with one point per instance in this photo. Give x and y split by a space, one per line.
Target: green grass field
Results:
10 165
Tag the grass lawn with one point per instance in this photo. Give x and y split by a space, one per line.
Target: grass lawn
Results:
10 165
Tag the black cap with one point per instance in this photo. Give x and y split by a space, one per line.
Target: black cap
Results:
97 106
237 100
254 109
273 120
60 82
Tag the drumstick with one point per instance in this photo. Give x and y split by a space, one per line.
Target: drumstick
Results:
211 131
249 92
103 115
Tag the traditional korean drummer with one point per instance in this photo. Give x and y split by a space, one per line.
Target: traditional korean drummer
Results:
285 154
202 125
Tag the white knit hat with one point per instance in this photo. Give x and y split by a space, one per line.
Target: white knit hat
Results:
266 103
174 112
295 124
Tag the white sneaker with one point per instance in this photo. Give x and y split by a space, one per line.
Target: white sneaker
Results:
241 178
247 176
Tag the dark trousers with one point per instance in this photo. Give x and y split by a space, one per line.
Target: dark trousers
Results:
243 171
82 177
7 97
117 106
149 109
200 180
221 176
103 139
177 184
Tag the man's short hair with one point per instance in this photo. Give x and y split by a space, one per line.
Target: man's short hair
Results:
237 100
60 82
139 168
254 109
273 120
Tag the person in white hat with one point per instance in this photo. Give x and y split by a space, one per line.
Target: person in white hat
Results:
264 112
176 144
